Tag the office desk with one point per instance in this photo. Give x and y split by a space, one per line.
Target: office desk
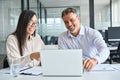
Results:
102 75
87 76
113 53
93 75
51 46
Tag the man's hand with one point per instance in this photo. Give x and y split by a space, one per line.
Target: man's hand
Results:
89 63
35 55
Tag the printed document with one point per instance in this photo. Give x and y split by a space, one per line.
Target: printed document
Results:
32 71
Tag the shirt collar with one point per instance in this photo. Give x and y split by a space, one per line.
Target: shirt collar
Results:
31 38
82 32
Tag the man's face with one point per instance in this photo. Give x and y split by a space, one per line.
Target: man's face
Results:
72 22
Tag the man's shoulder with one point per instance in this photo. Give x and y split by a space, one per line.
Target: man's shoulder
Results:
63 34
90 30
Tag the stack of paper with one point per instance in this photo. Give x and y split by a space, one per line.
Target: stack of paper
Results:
116 66
103 67
31 71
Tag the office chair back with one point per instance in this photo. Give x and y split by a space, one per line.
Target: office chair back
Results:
115 55
5 62
118 49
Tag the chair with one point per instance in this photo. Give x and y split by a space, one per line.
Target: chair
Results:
115 55
54 40
118 50
5 63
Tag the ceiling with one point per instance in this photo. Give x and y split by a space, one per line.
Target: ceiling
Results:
84 5
58 3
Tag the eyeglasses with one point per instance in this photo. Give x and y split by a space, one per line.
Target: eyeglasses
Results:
32 23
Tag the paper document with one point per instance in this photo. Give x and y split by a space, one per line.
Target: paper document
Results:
116 66
102 67
32 71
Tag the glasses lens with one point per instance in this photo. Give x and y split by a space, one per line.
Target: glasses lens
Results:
32 23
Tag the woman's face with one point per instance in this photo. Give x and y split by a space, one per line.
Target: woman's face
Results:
32 25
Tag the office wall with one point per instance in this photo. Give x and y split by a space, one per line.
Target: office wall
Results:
9 11
116 13
84 13
54 25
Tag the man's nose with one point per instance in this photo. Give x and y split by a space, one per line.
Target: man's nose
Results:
69 23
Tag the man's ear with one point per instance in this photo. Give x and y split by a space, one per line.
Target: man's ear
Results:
78 18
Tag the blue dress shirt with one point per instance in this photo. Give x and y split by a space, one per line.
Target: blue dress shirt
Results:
89 40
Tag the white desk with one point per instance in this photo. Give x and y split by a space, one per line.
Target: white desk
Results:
51 46
87 76
94 75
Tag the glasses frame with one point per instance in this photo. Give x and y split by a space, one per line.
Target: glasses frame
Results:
32 23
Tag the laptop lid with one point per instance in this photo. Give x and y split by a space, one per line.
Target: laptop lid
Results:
62 62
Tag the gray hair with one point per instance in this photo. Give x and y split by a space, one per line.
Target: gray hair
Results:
67 11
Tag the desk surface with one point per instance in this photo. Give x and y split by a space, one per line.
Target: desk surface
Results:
93 75
87 76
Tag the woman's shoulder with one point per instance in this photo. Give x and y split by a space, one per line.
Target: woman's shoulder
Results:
11 37
37 35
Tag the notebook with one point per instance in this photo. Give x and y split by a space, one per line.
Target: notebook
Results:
62 62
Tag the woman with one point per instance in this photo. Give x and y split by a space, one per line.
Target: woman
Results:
24 44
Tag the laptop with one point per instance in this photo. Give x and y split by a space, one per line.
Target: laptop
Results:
62 63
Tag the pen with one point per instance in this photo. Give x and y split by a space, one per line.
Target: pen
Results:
26 73
25 69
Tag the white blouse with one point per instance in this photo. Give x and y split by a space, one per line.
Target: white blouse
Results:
34 44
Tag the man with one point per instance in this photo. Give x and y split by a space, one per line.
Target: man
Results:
89 40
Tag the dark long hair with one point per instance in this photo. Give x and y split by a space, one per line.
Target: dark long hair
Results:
21 29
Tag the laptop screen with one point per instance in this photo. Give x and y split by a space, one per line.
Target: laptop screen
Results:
63 62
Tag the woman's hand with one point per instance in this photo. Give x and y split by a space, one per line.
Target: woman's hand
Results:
35 55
